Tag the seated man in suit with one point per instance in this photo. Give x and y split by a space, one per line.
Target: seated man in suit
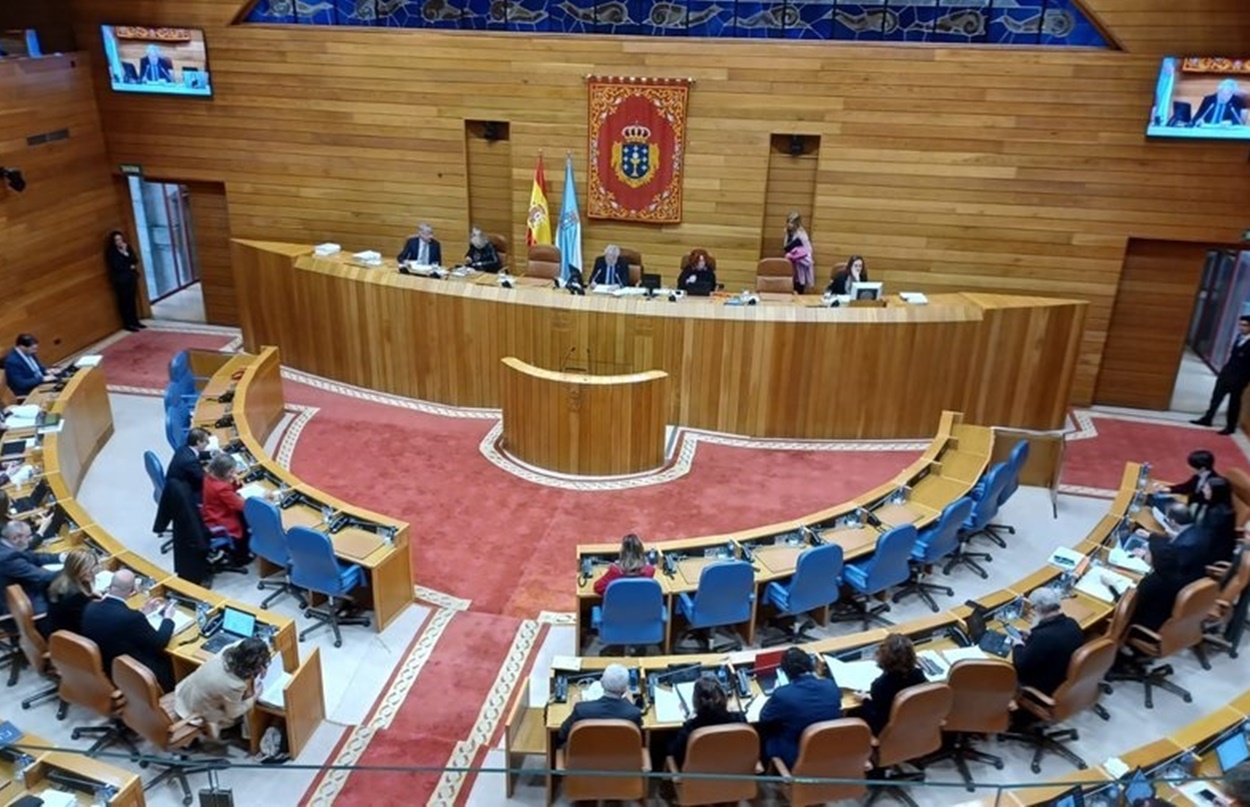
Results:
1157 591
187 464
422 249
22 370
1225 107
609 269
793 707
154 67
1041 659
1190 544
21 566
120 630
613 705
1202 463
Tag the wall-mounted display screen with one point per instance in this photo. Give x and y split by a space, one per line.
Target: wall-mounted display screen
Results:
162 61
1203 98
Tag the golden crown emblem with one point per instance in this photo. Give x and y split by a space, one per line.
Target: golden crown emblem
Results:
636 133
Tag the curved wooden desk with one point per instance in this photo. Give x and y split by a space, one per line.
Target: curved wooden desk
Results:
589 425
88 422
376 542
790 369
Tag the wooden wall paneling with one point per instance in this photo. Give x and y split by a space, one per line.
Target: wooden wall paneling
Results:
210 222
490 185
1146 337
995 170
52 247
791 185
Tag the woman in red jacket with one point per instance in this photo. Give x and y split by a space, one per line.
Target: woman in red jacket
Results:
632 563
223 506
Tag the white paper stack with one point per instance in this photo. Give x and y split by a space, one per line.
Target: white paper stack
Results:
630 291
326 249
253 491
1118 557
936 658
755 707
89 360
369 257
914 297
602 289
103 579
181 620
1065 558
667 706
274 683
856 675
1097 583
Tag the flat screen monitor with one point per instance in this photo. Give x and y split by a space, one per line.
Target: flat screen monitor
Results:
865 291
1201 98
158 61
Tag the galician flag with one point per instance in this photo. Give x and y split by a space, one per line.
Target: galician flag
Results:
569 237
538 223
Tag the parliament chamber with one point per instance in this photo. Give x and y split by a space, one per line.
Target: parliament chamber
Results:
539 402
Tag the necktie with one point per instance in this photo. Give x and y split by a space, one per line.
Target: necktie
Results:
1219 113
423 254
31 363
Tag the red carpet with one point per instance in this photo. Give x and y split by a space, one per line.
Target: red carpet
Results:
481 533
1099 462
142 359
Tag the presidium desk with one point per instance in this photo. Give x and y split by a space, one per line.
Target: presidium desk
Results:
787 368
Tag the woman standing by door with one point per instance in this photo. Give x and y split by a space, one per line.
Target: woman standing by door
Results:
123 275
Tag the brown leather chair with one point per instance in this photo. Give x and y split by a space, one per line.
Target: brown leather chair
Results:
1117 632
633 259
544 261
83 683
732 749
32 646
774 275
501 249
1215 627
914 731
1079 691
685 261
1240 484
604 745
1182 631
831 749
151 715
983 697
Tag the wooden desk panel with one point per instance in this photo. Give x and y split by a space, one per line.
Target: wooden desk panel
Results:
589 425
84 405
786 370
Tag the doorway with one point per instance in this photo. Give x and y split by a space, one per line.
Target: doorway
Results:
163 225
1222 298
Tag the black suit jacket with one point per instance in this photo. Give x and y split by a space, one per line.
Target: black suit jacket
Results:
677 745
794 707
186 467
25 568
412 248
19 375
66 613
600 273
841 283
876 710
1233 110
607 707
1236 370
119 630
690 275
163 70
1191 488
1042 661
121 266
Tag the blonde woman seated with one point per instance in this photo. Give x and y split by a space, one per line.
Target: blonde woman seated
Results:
224 688
482 255
69 592
632 563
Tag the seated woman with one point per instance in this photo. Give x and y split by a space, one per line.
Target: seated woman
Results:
223 688
632 563
481 255
223 506
1217 519
711 708
699 269
855 272
897 659
69 592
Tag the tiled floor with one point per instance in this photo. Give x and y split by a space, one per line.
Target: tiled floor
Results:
1194 383
184 305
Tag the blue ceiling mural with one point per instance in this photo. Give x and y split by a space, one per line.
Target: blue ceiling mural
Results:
967 22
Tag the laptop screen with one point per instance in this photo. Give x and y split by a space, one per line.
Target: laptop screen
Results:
240 623
1071 798
1232 751
1138 787
976 625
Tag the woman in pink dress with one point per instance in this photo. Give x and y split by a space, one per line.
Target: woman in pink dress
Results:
798 249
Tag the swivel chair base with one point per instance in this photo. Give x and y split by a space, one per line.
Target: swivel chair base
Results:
858 610
329 614
108 734
961 752
1052 741
900 793
705 637
177 771
990 531
42 695
960 557
925 590
11 654
1150 678
281 588
795 634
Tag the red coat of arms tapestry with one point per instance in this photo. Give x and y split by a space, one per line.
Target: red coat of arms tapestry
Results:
637 148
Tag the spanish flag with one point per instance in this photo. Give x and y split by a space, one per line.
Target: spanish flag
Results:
538 222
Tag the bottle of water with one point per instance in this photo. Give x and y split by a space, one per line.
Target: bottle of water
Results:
20 766
326 513
104 794
201 614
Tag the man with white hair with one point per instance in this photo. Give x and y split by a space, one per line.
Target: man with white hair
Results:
20 566
422 249
1042 658
609 269
1226 106
614 704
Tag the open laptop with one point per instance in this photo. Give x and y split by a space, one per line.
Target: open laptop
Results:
235 627
767 669
1232 751
991 641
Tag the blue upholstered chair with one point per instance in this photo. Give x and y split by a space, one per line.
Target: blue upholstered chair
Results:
889 566
156 473
315 568
817 578
985 508
268 542
1015 464
177 424
937 543
633 613
724 597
